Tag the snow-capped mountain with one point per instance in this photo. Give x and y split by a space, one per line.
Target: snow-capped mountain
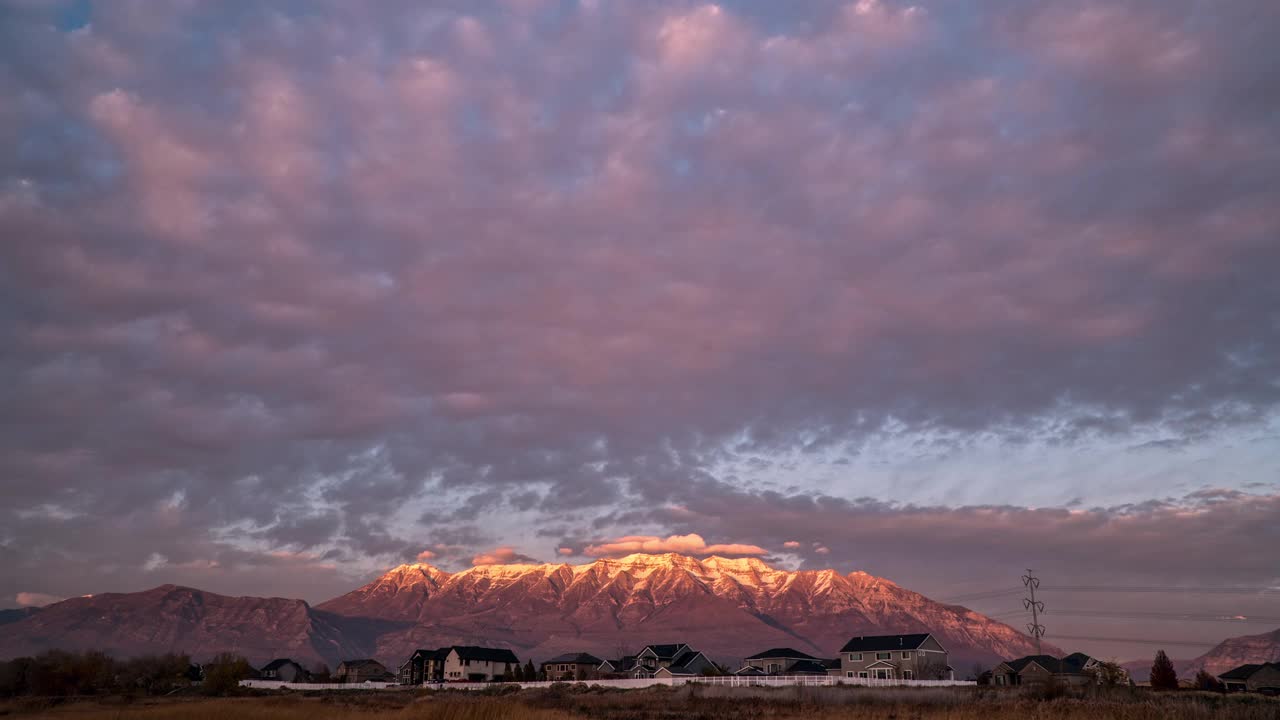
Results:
729 608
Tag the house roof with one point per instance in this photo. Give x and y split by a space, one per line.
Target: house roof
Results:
429 654
1244 672
576 658
665 652
683 659
748 670
790 653
1072 664
364 664
807 667
279 663
483 654
622 664
880 643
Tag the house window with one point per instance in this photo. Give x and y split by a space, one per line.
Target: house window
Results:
906 675
862 674
849 674
883 656
906 655
855 657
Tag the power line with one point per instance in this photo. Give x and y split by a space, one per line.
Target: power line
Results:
1146 615
1226 590
1139 641
1036 607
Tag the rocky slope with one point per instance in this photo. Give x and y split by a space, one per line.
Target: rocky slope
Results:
1228 654
727 608
179 619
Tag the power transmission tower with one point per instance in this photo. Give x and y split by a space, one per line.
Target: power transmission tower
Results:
1031 582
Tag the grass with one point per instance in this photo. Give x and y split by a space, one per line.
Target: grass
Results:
686 703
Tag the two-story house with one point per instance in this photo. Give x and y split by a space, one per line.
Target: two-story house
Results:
669 660
467 663
571 666
424 666
917 656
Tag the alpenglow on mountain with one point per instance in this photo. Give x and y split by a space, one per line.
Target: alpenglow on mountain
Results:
728 608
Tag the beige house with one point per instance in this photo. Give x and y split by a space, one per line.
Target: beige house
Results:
363 670
917 656
467 663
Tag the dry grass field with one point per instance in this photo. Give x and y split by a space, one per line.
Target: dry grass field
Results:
689 703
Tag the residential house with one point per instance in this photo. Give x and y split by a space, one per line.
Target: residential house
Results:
284 670
669 661
1074 669
917 656
1256 677
424 666
362 670
467 663
783 661
571 666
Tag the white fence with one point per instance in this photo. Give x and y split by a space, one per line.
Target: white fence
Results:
726 681
630 683
279 685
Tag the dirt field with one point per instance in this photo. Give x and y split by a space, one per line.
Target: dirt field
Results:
688 703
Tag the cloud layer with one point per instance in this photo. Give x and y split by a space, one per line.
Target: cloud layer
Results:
289 293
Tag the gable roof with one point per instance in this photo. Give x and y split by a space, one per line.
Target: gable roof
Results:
811 667
483 654
665 652
1072 664
364 665
279 663
683 660
790 653
576 658
622 664
881 643
1244 672
427 654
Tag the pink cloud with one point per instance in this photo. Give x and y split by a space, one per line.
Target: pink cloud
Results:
426 555
691 544
566 551
504 555
35 599
791 544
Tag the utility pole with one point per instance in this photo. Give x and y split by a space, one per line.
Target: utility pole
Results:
1031 582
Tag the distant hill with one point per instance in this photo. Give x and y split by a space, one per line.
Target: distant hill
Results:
728 608
1228 654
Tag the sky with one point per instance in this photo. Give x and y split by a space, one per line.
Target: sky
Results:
293 292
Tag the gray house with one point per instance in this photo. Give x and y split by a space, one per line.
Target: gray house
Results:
918 656
669 661
284 670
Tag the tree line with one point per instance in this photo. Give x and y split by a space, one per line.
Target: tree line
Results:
60 673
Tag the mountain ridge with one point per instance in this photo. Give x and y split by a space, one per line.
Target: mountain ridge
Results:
727 607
